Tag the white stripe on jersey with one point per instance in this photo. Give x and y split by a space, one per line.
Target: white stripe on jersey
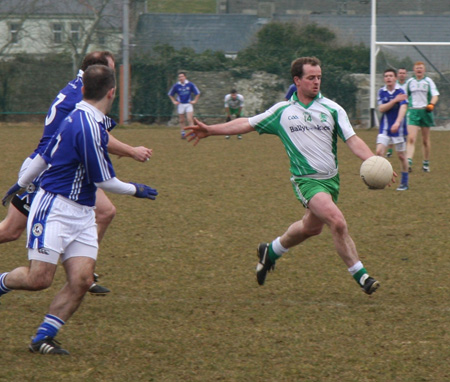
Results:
95 130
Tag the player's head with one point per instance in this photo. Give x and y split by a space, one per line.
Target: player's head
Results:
233 93
401 74
297 66
182 77
307 76
390 77
419 69
110 58
98 58
98 81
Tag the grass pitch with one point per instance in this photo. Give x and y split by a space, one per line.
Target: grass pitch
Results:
185 305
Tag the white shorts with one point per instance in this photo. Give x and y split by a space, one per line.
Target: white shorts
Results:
399 142
185 108
60 228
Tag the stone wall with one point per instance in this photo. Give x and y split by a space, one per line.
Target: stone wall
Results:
260 91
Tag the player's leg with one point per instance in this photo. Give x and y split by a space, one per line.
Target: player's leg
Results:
383 141
13 225
182 122
78 259
105 211
401 153
411 143
79 272
323 207
426 148
37 276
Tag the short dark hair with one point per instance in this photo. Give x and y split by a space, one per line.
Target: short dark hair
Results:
97 81
297 65
390 70
96 58
233 91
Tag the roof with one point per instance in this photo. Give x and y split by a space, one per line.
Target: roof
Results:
218 32
111 15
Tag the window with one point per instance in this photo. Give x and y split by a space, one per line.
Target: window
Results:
75 32
14 30
57 33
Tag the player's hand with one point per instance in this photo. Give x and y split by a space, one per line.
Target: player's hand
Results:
142 154
394 127
429 107
401 97
16 189
145 192
196 132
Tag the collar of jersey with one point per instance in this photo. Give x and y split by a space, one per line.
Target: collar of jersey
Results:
88 108
294 96
185 83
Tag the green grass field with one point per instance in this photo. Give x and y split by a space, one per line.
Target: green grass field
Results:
181 6
185 305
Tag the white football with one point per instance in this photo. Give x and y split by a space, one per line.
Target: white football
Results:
376 172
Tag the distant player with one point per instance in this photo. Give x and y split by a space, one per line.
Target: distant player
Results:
423 96
61 224
392 102
184 95
233 103
290 91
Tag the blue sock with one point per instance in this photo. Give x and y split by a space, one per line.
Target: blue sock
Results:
3 288
405 178
48 328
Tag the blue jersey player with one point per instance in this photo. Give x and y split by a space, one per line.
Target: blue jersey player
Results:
61 224
392 103
184 94
292 89
15 222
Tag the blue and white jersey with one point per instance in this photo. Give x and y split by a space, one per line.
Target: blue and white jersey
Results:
63 104
290 91
184 91
77 156
388 118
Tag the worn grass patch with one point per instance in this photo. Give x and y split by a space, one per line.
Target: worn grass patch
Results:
185 305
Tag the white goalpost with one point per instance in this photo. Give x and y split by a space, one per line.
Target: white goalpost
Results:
374 50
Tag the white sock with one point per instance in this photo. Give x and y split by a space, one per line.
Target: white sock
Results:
278 248
355 268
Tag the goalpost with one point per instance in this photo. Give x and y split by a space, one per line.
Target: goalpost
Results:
374 49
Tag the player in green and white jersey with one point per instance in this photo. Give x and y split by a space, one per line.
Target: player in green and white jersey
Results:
309 126
422 96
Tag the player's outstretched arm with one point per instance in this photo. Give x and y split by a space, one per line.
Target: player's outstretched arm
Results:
140 153
201 130
138 190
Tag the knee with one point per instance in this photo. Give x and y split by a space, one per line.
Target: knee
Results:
339 226
8 233
40 282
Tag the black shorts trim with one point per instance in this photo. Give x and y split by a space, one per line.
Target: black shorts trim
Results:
21 204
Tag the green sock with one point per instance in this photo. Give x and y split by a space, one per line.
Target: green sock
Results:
426 163
409 162
358 276
272 255
389 151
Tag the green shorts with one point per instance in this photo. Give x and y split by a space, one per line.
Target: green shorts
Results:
420 117
306 188
235 112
